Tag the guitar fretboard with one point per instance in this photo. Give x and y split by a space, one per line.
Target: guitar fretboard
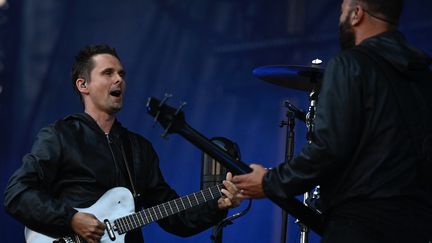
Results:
146 216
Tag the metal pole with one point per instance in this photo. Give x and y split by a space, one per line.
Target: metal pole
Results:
289 153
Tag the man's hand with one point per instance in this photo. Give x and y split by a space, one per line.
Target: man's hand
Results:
88 227
250 185
230 194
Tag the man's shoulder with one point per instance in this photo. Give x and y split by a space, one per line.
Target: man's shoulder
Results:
349 57
69 123
351 62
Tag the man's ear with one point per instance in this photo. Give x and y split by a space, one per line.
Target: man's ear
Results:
357 15
81 85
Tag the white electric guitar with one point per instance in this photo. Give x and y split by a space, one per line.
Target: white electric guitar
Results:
115 209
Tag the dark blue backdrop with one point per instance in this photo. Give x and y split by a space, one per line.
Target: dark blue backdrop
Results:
203 52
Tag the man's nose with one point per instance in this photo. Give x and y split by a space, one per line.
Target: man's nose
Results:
119 78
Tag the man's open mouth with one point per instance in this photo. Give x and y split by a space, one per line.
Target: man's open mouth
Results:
116 93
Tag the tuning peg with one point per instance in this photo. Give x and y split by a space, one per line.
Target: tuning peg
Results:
165 133
183 104
163 101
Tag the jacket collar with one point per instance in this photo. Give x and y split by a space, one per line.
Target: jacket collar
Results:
116 129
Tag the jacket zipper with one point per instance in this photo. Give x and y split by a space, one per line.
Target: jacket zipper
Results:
109 140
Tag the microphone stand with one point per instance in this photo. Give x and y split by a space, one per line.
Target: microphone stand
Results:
291 114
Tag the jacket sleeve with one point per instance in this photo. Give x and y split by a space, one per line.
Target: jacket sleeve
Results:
186 223
337 126
28 197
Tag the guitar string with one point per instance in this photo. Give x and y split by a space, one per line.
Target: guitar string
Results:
129 222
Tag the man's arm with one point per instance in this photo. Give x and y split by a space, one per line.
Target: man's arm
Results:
337 127
28 197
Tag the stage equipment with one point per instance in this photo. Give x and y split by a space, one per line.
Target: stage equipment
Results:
213 173
173 121
304 78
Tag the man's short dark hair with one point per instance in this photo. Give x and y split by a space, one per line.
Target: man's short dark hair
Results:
84 63
391 10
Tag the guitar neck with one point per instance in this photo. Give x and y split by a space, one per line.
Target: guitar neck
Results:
173 121
236 167
149 215
305 214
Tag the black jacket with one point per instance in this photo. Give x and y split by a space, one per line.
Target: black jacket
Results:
362 154
72 163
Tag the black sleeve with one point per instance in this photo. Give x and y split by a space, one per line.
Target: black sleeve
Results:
337 126
186 223
28 197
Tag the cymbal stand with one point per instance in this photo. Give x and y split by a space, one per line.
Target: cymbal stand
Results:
291 114
310 117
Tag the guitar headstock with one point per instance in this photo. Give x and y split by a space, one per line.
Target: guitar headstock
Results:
170 118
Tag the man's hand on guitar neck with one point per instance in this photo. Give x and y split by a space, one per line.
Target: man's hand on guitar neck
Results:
250 185
88 227
230 194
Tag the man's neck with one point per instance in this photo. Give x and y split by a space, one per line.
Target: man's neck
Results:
104 120
371 29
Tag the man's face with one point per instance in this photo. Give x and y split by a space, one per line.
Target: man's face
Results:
106 85
346 30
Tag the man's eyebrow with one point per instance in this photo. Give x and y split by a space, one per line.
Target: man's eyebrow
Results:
107 70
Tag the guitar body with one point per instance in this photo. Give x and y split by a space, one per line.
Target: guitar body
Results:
115 203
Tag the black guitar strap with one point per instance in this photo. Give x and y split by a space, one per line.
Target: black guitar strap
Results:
415 105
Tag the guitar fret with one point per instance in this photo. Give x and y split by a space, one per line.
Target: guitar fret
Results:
197 202
165 209
131 219
151 216
133 223
118 226
125 223
155 212
142 219
190 203
202 194
135 220
211 193
145 214
218 188
169 204
176 204
181 200
129 222
160 211
122 226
